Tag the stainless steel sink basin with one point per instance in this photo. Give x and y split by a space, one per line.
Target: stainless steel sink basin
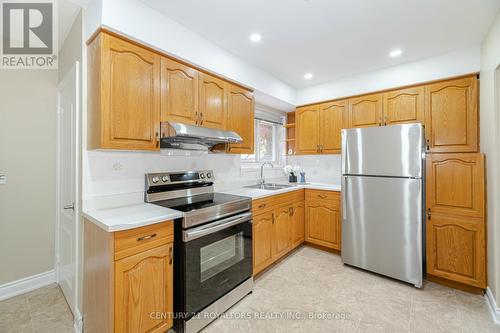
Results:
270 186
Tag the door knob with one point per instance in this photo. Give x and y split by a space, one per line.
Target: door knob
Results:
72 206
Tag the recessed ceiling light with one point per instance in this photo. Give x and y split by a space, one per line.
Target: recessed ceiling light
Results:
395 53
308 76
255 38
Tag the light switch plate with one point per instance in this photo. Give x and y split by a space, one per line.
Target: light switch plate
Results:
3 179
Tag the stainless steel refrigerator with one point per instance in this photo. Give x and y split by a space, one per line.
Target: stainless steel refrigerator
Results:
382 200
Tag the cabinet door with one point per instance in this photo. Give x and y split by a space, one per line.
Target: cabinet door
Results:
331 123
281 235
404 106
179 92
307 125
144 285
365 111
455 184
451 116
456 249
323 223
130 92
298 227
262 241
213 105
241 119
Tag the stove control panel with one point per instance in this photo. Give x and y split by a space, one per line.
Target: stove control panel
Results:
165 178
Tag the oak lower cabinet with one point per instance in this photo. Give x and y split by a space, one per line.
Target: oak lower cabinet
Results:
456 224
278 225
124 95
322 213
128 279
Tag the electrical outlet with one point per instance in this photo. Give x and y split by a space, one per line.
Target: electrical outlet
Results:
3 179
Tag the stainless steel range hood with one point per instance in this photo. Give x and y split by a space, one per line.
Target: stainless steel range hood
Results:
189 137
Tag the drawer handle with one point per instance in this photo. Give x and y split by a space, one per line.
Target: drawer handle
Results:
262 205
170 255
146 237
322 196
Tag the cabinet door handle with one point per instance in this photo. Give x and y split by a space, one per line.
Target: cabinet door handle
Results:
262 205
380 121
201 118
157 135
429 214
293 211
317 149
322 196
273 219
385 120
427 141
196 116
170 255
290 211
146 237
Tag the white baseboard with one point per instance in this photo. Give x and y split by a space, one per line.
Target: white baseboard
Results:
27 284
492 304
78 322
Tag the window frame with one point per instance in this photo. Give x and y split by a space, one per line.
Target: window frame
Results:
276 151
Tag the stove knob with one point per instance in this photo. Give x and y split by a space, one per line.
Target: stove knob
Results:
202 175
155 179
164 179
209 175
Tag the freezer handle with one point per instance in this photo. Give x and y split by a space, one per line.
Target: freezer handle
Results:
344 196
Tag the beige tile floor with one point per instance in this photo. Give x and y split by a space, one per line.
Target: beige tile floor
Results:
309 281
313 281
42 310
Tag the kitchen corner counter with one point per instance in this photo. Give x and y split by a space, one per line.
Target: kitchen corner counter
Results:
255 193
130 216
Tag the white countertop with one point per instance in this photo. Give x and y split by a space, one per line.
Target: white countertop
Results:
139 214
130 216
255 193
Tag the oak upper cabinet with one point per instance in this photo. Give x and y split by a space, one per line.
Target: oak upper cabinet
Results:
404 106
365 111
240 119
331 117
179 85
124 95
144 286
212 101
456 241
262 238
297 224
307 129
323 218
282 222
451 111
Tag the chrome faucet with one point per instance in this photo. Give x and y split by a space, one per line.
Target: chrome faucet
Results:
262 180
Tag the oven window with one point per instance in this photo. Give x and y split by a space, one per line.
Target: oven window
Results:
219 256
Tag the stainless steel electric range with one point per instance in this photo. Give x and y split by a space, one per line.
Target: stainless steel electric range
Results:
212 245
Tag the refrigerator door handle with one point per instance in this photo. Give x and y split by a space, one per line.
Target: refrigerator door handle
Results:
344 198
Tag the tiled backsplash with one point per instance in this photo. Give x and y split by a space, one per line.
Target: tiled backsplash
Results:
318 168
112 173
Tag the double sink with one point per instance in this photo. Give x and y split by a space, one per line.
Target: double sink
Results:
270 186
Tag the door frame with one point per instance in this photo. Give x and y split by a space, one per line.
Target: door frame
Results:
75 69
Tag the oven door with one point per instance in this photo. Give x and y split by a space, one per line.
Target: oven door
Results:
217 258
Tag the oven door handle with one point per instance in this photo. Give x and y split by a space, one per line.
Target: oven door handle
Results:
215 226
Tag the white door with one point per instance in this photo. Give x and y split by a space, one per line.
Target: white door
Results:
67 186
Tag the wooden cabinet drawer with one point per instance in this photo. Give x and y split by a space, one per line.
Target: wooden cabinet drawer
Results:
271 202
323 195
133 241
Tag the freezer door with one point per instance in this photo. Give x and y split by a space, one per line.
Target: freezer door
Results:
383 151
382 226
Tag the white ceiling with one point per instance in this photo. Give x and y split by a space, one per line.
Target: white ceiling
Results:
333 38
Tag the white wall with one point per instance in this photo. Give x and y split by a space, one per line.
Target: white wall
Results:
140 22
447 65
490 143
28 100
